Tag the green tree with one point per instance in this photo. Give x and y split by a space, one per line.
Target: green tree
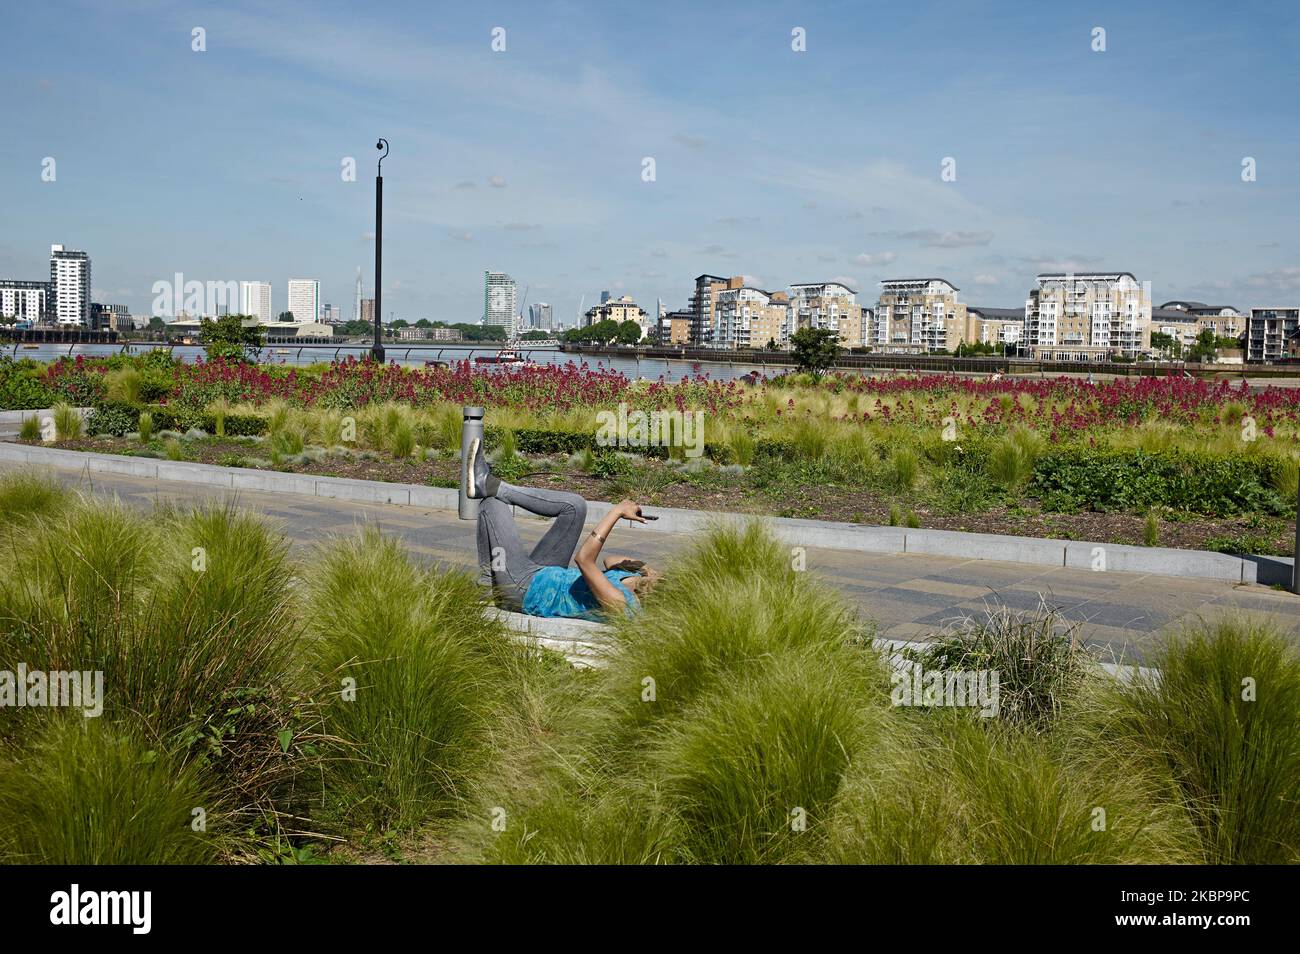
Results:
229 338
629 332
815 349
1166 344
1205 347
285 316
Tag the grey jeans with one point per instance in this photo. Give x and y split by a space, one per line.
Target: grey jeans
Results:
503 558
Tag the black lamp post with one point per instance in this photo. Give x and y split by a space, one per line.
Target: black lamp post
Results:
377 352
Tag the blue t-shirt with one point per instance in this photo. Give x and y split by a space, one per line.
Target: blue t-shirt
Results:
561 591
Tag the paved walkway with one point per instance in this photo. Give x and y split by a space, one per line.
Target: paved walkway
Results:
910 596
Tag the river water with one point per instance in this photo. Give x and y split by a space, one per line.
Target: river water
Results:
414 356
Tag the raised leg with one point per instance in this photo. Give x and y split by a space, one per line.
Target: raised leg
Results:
502 557
569 510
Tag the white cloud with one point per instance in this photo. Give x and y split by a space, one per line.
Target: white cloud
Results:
986 279
876 258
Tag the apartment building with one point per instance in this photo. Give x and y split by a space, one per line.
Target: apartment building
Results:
24 301
304 300
69 285
255 300
703 301
919 316
999 327
830 306
1226 321
675 327
109 317
1178 324
749 317
1268 331
618 310
500 301
1087 316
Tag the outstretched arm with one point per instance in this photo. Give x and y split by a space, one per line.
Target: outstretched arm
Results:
588 556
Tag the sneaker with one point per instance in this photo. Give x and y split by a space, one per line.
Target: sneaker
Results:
473 481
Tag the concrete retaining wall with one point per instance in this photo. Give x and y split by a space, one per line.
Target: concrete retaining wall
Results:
588 645
823 534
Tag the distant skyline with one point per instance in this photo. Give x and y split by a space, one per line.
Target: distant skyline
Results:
224 165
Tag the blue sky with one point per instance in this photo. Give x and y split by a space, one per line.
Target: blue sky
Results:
785 166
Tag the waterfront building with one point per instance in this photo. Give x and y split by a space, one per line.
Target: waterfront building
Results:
255 300
749 317
618 310
919 316
24 300
304 300
500 302
1087 316
69 285
831 306
1269 331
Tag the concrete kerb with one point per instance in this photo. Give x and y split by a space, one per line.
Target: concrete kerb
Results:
589 645
819 534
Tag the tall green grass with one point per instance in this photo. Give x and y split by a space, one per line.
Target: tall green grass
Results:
68 425
85 792
190 616
415 679
1222 717
26 494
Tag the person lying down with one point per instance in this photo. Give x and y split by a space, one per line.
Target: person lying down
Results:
540 581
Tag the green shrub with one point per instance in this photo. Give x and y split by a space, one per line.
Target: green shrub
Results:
30 429
116 418
21 388
609 465
145 426
1137 481
766 448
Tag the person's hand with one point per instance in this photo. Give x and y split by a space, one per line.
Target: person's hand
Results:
630 511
